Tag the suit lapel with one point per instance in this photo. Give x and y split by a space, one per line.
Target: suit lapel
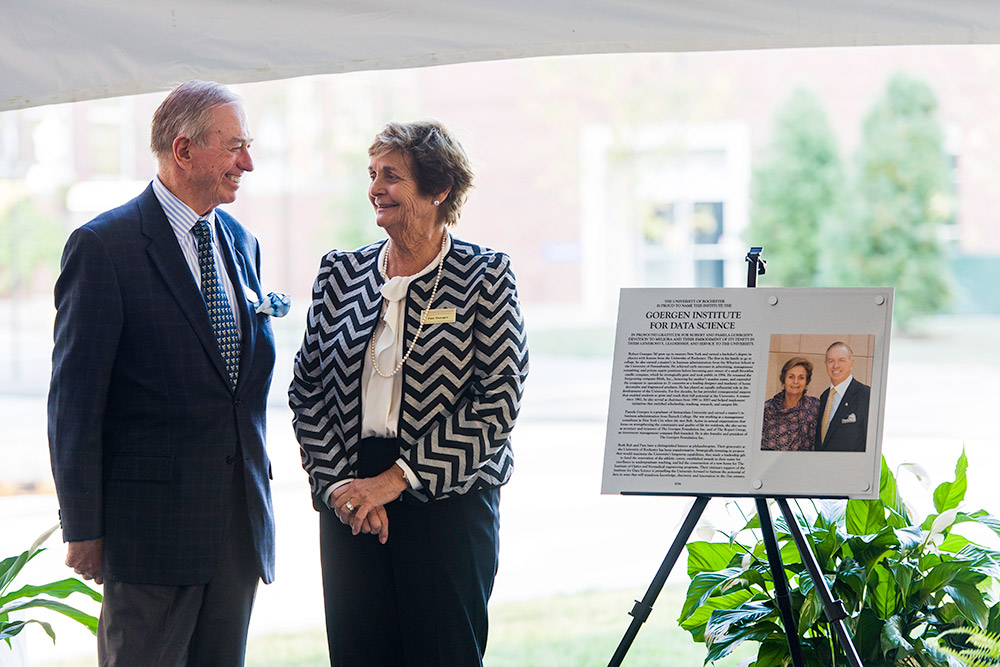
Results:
842 410
168 259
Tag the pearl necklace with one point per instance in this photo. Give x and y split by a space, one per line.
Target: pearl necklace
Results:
384 269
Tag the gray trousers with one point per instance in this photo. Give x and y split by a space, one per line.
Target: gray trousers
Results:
147 625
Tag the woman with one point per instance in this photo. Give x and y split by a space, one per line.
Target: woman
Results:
790 416
404 395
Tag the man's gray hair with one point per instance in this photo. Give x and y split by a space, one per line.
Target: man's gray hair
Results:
187 112
842 344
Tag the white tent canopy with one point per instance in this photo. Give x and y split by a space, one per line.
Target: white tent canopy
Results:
67 50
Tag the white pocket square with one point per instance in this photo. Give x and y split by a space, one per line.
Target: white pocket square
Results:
274 304
849 419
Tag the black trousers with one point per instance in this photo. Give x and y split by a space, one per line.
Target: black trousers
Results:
151 625
420 600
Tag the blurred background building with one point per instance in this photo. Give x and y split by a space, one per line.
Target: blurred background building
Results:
594 172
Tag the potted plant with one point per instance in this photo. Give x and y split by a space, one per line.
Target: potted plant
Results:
904 581
14 603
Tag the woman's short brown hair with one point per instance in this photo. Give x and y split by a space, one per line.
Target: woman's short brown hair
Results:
797 361
439 161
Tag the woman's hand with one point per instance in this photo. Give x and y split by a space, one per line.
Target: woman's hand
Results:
361 503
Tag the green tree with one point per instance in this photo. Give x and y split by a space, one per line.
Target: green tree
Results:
904 196
30 240
351 221
795 192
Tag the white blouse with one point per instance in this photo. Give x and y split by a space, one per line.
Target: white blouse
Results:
381 397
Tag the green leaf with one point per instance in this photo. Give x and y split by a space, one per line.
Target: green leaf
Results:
57 589
10 569
9 630
709 556
753 523
927 560
885 595
702 586
722 619
893 637
948 612
949 495
908 538
753 577
888 493
868 633
954 543
902 574
13 565
830 513
971 601
696 621
850 583
826 543
986 561
727 628
994 623
812 606
725 645
869 550
941 575
6 564
982 518
83 618
790 554
773 652
865 517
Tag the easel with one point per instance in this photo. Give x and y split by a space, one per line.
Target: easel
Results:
835 611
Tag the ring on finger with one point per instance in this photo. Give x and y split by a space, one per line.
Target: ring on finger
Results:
349 506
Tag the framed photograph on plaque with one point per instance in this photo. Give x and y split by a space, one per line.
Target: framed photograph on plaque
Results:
748 392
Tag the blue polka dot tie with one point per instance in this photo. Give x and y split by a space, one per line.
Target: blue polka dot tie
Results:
219 311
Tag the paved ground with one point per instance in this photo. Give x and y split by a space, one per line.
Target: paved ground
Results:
559 535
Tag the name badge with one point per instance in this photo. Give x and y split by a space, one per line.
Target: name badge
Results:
439 315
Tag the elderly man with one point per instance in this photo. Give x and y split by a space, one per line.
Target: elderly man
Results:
160 372
843 424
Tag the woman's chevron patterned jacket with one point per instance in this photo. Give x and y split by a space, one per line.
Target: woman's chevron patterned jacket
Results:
462 384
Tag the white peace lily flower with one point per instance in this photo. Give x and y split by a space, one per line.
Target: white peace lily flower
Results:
943 521
41 538
919 472
705 530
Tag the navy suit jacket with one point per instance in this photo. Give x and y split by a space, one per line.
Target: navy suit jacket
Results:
144 426
848 430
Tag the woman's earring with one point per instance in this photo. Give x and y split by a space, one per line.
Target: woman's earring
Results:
437 203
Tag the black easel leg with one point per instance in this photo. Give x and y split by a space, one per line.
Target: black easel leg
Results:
835 612
781 594
640 612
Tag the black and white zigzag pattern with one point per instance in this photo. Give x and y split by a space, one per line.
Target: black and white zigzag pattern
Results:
462 384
